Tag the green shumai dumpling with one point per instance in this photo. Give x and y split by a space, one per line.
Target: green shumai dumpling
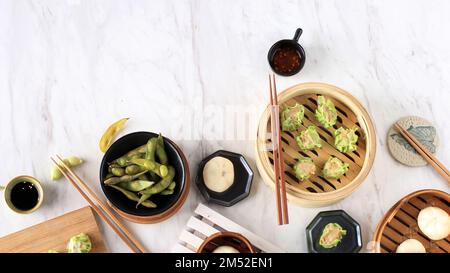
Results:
334 168
291 117
345 139
80 243
326 113
304 168
309 139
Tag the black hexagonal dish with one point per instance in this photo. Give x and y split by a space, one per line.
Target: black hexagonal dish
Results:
351 242
243 176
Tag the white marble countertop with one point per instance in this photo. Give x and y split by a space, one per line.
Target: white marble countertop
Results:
70 68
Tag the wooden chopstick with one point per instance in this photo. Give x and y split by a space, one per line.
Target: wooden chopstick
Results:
275 155
104 207
427 155
112 221
278 155
280 158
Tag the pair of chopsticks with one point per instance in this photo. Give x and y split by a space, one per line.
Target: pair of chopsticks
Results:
102 210
427 155
280 186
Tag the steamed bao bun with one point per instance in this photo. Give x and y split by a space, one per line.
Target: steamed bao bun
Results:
411 246
434 222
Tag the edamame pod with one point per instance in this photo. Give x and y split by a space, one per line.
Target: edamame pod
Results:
159 169
160 151
132 196
125 178
136 185
161 185
71 161
118 171
151 149
111 133
172 186
142 199
166 192
133 169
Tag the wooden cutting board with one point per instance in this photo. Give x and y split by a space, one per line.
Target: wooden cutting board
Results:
55 233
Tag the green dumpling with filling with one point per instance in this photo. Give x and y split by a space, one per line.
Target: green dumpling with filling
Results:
80 243
291 117
304 168
326 113
334 168
309 139
345 139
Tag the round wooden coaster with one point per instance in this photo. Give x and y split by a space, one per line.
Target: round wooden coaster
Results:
422 130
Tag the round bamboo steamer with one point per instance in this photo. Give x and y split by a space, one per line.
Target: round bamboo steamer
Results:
318 191
400 222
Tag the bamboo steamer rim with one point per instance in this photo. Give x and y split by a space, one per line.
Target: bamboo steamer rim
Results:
219 234
153 219
364 120
396 207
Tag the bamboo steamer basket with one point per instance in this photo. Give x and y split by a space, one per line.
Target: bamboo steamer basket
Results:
318 191
400 222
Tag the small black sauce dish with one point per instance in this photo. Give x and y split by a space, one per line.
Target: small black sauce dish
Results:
290 45
350 243
240 189
128 143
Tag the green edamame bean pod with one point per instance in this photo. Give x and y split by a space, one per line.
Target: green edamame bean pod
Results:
118 171
125 178
151 149
166 192
71 161
132 196
133 169
160 151
142 199
172 186
161 185
159 169
136 185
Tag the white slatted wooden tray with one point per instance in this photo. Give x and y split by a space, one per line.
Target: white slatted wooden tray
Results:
206 222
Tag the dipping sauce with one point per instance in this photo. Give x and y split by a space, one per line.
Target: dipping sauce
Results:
24 196
286 60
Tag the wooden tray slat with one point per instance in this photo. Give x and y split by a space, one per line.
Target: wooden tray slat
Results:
206 222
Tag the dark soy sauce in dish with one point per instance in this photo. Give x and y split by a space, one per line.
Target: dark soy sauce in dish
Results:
286 60
24 196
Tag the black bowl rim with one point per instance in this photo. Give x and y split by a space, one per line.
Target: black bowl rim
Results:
293 43
206 192
328 213
179 193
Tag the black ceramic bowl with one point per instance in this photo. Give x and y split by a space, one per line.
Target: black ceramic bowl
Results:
128 143
351 242
288 43
243 176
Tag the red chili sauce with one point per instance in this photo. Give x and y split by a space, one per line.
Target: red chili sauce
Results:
286 60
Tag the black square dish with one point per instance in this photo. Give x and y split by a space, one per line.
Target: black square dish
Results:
243 176
128 143
350 243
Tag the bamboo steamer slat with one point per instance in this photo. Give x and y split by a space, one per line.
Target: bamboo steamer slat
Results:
400 222
318 191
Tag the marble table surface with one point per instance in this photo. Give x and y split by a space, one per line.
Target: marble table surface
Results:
186 68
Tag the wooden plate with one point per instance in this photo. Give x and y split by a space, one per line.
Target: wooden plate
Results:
318 191
400 222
